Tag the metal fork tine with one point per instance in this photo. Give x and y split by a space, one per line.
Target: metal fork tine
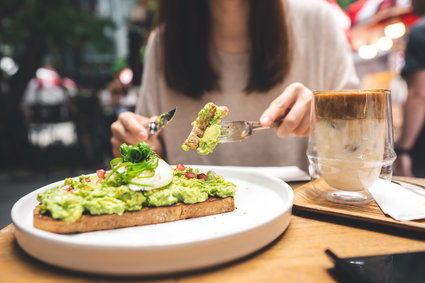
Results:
233 131
238 130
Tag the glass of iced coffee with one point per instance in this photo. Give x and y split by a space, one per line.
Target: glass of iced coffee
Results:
350 143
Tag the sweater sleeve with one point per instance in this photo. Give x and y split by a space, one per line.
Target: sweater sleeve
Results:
339 70
148 101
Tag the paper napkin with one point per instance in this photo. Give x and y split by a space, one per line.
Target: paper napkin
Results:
399 202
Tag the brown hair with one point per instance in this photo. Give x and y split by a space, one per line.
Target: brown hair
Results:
186 46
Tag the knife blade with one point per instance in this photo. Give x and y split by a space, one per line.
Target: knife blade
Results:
163 119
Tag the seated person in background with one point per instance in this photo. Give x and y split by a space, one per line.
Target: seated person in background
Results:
414 108
259 58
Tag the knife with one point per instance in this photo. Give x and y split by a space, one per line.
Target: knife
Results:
416 188
163 119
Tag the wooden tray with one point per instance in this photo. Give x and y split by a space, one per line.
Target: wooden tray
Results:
308 198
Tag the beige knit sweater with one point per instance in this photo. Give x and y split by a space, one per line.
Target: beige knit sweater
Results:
322 60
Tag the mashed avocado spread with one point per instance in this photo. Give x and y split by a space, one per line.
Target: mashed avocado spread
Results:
108 193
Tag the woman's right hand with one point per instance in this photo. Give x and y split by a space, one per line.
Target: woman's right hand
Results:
131 128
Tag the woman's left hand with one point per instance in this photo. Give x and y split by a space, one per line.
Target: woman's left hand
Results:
293 108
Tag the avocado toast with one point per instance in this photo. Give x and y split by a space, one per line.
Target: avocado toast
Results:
139 189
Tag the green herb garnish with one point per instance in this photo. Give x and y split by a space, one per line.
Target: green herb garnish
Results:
135 159
135 154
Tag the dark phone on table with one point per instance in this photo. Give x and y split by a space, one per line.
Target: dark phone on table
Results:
394 268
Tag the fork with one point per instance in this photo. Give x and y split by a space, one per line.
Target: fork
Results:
232 131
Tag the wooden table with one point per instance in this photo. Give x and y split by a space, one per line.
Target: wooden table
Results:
296 256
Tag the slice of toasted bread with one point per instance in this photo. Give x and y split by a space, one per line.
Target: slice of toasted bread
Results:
145 216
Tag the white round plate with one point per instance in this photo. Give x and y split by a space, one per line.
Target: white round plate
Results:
263 211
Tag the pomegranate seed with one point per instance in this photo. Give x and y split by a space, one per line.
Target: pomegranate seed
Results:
101 173
224 109
87 179
180 167
190 175
202 176
67 188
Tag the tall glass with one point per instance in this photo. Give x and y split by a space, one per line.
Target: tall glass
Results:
351 143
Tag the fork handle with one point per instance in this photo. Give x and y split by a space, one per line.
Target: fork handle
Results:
256 126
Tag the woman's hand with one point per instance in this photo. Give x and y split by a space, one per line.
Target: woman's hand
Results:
293 108
131 128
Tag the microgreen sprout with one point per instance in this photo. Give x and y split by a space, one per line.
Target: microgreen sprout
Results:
135 160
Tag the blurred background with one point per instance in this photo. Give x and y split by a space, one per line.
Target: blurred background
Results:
68 68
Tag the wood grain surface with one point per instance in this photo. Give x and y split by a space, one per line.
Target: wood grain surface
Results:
296 256
308 198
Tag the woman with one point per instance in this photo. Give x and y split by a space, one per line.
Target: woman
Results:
259 58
